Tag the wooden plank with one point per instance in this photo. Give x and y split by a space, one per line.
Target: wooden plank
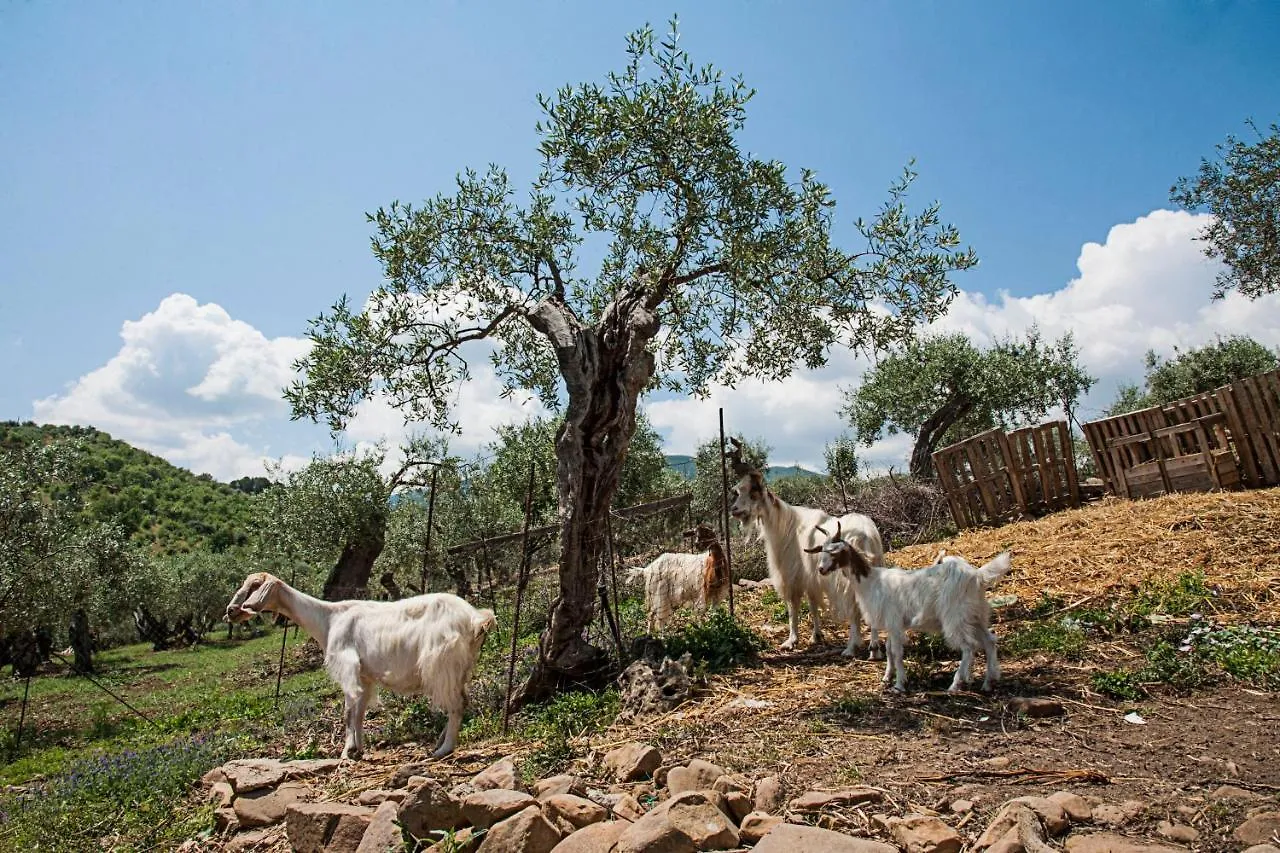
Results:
1249 471
949 480
1265 390
1253 414
1073 476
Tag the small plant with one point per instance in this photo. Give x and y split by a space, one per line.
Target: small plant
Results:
1117 683
567 716
1065 637
717 642
1048 602
853 705
1184 595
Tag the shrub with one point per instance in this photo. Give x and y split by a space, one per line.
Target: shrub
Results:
717 642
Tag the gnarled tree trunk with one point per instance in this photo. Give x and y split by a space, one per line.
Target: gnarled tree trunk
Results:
932 431
604 371
349 577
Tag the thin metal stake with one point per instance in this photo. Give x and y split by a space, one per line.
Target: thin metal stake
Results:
426 550
724 495
613 574
22 719
521 580
284 636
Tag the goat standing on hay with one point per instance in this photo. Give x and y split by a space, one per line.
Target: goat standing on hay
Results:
674 580
947 598
788 533
424 645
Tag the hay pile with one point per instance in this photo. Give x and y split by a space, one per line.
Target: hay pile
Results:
1116 546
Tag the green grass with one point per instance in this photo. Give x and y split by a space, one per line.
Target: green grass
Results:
716 643
1061 637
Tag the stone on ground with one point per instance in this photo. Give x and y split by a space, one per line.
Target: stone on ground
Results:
1259 829
569 813
794 838
501 774
597 838
925 834
485 808
428 807
632 762
524 832
383 834
326 827
688 821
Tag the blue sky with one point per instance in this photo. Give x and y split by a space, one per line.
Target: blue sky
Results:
229 152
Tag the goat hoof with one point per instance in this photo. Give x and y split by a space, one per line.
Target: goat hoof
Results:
788 645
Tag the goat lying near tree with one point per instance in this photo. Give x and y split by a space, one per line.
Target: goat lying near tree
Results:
788 533
674 580
947 598
424 645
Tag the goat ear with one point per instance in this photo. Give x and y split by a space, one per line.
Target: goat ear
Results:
257 600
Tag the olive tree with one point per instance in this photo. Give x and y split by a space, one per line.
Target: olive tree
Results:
1195 371
713 265
1241 188
943 388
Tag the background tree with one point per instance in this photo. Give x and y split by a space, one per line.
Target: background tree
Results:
942 389
339 505
1195 371
714 265
1241 188
708 485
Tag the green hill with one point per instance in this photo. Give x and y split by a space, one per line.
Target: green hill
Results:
682 464
160 506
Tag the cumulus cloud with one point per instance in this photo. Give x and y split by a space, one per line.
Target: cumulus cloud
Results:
1146 287
185 380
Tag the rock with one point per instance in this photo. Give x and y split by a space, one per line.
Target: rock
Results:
267 806
485 808
221 794
405 772
1037 706
462 790
1106 842
795 838
1262 848
733 782
769 795
812 801
698 775
384 834
1052 815
632 762
251 774
1258 829
660 775
377 796
688 821
526 831
1076 806
628 807
756 826
649 687
305 768
562 784
245 842
326 827
1110 814
1015 828
1000 762
924 834
960 806
427 807
1231 792
225 820
217 774
1178 832
501 775
738 804
597 838
569 813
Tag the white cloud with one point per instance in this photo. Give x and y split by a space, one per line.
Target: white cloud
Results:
1147 287
203 390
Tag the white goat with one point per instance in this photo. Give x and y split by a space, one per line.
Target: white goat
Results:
426 645
947 598
674 580
788 533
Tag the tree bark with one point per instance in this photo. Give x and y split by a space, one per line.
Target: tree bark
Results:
605 369
932 431
81 642
349 577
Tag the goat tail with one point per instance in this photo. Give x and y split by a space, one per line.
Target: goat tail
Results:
483 622
997 568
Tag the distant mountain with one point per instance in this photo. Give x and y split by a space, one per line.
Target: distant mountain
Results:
682 464
160 506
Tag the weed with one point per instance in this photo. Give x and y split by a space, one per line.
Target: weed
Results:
853 705
567 716
1065 637
1182 596
1047 603
1117 683
718 642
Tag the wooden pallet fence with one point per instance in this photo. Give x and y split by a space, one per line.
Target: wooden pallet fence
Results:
1221 439
994 477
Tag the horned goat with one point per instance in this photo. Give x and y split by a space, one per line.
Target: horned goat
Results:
674 580
947 598
426 645
788 531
